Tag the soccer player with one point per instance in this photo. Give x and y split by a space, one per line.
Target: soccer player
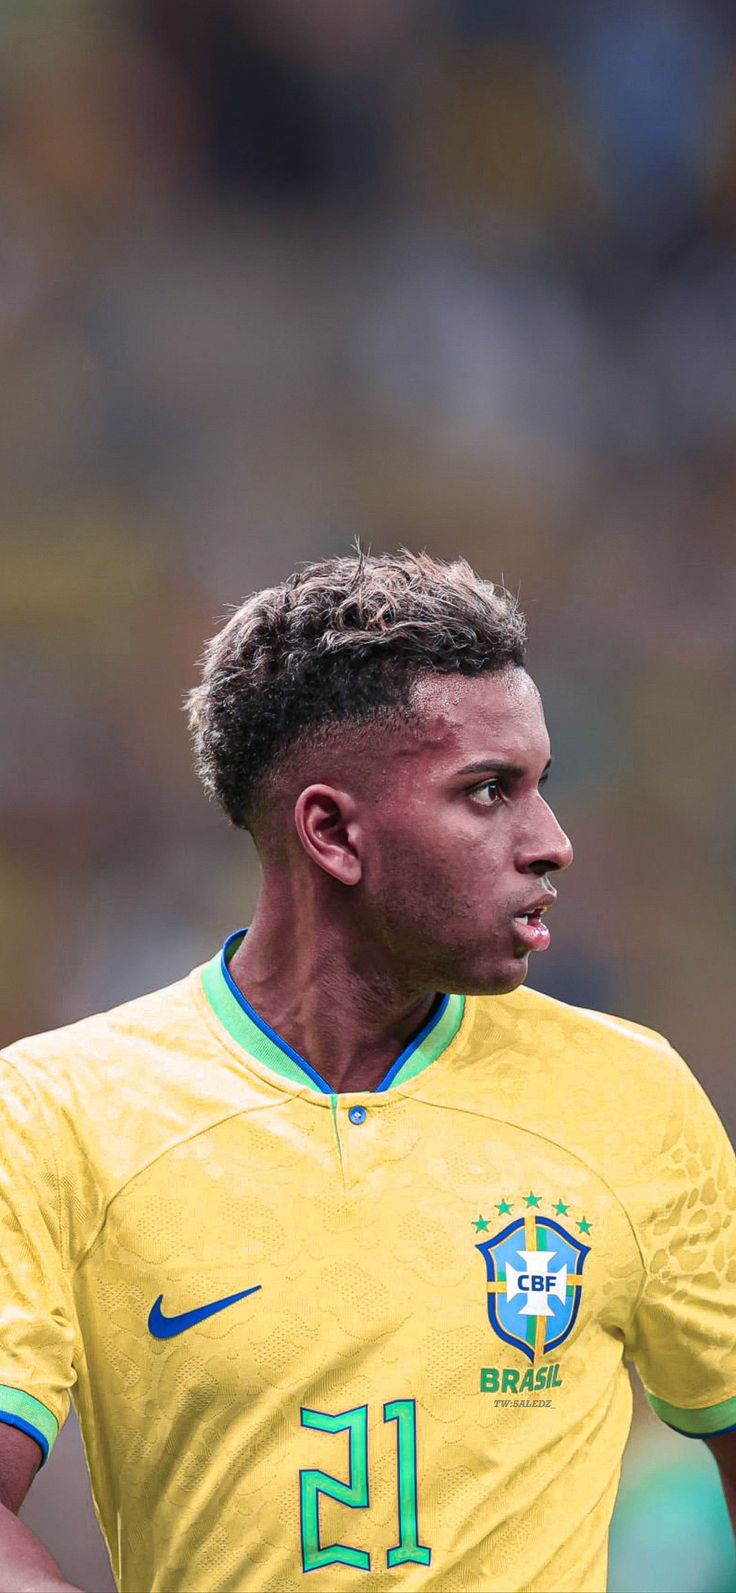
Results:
341 1245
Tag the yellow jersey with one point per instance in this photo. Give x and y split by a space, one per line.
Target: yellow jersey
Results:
376 1340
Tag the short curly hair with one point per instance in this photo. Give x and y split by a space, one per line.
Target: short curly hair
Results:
341 641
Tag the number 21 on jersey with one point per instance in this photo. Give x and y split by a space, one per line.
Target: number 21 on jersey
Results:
355 1492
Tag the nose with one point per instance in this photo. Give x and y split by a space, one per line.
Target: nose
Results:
547 848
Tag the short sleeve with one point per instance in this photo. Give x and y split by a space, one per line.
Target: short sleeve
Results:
682 1338
37 1330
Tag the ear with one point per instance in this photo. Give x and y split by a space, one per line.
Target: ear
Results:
327 825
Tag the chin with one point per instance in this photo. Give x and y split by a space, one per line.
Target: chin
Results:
498 981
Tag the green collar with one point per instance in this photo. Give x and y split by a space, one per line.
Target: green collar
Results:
262 1042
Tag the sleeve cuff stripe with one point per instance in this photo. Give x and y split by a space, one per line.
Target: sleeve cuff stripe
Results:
705 1423
720 1432
19 1409
27 1427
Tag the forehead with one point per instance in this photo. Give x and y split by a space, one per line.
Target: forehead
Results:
464 718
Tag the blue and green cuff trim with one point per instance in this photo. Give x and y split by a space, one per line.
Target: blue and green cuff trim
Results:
262 1042
709 1422
22 1410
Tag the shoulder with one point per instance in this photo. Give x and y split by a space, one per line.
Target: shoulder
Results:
583 1022
98 1100
612 1089
621 1059
567 1036
105 1093
106 1048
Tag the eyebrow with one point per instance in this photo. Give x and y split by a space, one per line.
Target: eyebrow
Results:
512 771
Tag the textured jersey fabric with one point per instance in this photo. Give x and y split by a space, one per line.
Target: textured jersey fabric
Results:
368 1341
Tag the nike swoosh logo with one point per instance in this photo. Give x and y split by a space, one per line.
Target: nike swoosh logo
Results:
167 1327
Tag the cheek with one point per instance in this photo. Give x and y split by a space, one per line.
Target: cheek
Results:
401 855
421 848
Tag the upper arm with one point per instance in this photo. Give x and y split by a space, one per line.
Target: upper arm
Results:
37 1318
723 1446
20 1458
681 1336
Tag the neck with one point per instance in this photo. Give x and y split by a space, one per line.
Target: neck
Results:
314 987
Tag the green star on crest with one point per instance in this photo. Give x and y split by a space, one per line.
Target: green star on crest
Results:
532 1200
584 1226
561 1208
503 1207
481 1226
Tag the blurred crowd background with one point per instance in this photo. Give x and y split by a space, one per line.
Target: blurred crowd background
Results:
459 275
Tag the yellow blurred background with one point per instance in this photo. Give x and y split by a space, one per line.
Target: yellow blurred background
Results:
460 276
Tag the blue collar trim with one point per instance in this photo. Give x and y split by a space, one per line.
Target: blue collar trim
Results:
265 1028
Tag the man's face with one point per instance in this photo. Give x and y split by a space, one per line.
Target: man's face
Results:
458 840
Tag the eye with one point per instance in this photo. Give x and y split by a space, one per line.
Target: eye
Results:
493 787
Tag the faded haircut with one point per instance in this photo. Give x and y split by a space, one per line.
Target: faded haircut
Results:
339 643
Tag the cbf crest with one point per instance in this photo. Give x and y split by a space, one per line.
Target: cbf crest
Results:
535 1281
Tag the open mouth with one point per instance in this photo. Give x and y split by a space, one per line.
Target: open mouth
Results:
530 931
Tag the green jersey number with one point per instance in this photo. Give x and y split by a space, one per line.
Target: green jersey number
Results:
355 1491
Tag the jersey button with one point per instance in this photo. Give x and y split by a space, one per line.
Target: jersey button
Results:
357 1114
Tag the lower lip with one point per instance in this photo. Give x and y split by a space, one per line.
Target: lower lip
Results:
534 934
